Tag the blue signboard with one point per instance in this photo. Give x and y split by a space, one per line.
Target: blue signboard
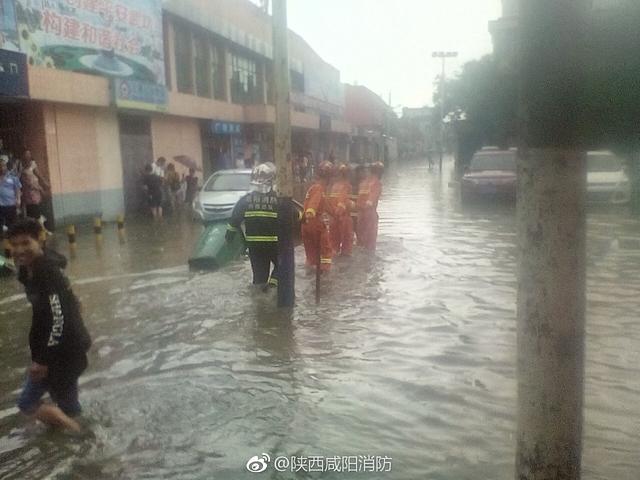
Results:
225 128
139 95
8 27
13 74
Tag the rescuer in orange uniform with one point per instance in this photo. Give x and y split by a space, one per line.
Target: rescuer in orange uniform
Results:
368 196
357 176
315 227
362 182
340 203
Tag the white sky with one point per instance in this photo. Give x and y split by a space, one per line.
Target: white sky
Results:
387 44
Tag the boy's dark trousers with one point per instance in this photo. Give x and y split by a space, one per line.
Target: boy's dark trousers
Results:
262 255
8 216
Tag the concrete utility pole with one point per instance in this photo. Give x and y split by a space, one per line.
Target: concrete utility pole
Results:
282 151
443 56
551 241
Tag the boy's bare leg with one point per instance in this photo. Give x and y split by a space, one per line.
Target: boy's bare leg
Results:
52 415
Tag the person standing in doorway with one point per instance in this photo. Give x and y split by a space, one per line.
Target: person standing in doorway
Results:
159 166
191 182
34 187
172 180
10 197
153 188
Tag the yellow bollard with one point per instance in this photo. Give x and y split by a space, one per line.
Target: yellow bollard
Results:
97 229
97 225
120 224
71 236
7 248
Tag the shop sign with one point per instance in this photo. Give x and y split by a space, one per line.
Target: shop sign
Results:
114 38
225 128
139 95
13 74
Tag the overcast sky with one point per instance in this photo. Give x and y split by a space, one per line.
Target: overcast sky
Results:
387 44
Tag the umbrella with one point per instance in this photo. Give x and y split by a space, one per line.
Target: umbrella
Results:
187 161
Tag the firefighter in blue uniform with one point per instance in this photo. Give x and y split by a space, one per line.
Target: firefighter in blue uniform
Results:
258 210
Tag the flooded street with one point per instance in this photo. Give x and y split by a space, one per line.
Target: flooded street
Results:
410 355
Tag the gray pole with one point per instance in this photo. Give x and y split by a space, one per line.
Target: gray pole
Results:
282 153
443 56
442 98
551 242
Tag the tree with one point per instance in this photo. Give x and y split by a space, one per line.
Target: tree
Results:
488 96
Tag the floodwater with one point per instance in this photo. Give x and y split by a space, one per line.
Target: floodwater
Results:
410 355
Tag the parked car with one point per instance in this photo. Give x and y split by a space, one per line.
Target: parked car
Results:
607 179
491 174
220 193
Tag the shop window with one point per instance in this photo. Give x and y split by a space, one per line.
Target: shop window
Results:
271 92
203 71
184 67
218 73
245 87
297 81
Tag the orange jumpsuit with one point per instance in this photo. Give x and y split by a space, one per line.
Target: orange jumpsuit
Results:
315 234
368 196
361 200
342 225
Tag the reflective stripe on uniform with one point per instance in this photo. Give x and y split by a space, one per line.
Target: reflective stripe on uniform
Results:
261 238
273 281
260 214
325 260
232 228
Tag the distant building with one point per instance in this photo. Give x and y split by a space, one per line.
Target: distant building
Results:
95 100
373 126
418 132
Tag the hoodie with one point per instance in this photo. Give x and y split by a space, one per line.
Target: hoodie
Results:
58 337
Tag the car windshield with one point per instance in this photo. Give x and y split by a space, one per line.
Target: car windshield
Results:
494 161
226 182
603 163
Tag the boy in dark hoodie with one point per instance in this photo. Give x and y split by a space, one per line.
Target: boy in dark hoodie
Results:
58 338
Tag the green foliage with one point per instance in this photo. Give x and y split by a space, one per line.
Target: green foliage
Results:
612 85
488 96
610 92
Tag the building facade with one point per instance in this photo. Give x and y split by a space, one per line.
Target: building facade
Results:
96 90
373 123
418 133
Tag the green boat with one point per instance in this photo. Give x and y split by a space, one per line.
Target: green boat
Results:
7 267
212 251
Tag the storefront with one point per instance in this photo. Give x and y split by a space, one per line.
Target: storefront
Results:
135 100
223 145
14 91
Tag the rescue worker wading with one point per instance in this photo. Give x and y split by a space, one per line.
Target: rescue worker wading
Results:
259 212
315 231
340 202
368 196
358 175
